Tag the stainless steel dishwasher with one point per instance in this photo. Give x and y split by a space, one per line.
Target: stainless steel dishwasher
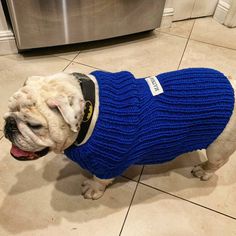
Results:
42 23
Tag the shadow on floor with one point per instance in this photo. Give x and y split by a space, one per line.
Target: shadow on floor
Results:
112 42
43 197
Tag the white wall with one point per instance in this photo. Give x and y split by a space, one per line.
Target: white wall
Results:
226 12
228 1
204 8
230 19
185 9
169 3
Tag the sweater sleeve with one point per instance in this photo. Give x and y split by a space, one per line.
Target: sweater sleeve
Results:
107 153
102 165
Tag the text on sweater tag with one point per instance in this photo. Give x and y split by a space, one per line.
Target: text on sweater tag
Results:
154 85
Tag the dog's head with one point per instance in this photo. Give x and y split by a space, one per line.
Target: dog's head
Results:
45 114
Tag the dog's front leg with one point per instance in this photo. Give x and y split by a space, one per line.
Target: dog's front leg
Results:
95 187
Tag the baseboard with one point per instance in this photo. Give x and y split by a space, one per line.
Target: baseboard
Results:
7 43
167 17
6 34
221 11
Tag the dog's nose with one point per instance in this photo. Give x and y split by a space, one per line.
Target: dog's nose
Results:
10 127
10 121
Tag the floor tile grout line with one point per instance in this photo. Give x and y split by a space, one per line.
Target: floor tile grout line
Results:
199 41
140 176
129 178
186 200
182 54
132 199
171 34
62 58
67 65
186 45
215 45
192 39
191 31
122 227
138 181
72 61
76 55
90 66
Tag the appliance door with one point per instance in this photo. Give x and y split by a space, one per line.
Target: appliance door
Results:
41 23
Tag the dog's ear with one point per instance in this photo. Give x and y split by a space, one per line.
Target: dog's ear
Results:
70 109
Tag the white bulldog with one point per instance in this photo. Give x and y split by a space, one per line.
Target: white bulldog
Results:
46 114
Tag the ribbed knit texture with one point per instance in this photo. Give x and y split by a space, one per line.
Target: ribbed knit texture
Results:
135 127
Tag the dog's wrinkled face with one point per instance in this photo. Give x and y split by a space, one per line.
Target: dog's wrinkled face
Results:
45 114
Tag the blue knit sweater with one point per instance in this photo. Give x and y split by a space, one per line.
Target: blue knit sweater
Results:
135 127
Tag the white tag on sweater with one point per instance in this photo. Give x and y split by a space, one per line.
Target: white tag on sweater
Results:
154 85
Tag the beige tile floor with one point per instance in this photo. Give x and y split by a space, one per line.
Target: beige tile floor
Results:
44 197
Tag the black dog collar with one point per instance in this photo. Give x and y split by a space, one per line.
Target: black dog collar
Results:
88 90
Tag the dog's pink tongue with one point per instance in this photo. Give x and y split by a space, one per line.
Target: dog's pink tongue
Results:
17 152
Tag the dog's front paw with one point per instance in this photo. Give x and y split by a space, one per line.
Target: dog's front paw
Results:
92 189
200 173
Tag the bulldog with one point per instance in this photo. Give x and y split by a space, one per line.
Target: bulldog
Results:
108 121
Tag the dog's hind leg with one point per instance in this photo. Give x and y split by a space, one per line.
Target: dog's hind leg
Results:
221 149
218 154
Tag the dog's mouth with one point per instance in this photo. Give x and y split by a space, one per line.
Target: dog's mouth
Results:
22 155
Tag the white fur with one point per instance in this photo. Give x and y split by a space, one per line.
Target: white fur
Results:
31 104
94 188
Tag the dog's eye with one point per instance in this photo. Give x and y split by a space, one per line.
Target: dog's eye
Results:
34 126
